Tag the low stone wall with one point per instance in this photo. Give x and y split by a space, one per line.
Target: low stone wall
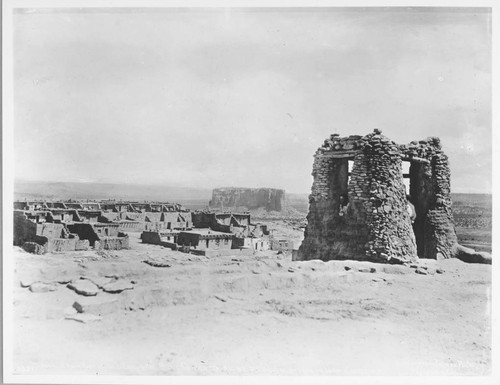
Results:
55 245
33 247
113 243
82 244
223 252
151 237
60 244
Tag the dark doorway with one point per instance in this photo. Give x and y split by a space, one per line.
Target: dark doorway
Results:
422 197
339 180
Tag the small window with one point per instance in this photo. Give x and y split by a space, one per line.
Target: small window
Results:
406 175
350 164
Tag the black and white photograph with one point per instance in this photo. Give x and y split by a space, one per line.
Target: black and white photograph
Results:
193 191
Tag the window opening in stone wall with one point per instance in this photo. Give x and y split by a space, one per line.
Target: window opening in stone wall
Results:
350 163
406 175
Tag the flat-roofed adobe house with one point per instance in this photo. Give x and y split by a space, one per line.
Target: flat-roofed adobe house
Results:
205 241
101 235
34 234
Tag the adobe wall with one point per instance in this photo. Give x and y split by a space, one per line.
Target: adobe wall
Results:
223 252
131 226
376 225
285 246
113 243
51 230
84 231
60 244
24 229
151 237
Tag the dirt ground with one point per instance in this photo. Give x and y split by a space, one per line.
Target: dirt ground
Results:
263 315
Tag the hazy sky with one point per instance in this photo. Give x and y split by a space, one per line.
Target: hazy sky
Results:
225 97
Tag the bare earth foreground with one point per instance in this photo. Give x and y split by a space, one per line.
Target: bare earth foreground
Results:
262 315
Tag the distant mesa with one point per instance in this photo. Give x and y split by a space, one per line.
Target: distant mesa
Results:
250 198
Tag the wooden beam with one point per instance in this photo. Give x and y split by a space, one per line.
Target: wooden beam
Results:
339 155
414 159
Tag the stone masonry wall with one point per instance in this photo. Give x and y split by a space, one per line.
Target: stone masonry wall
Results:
326 235
391 237
431 193
376 225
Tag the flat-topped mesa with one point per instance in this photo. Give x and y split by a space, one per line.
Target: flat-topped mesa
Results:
252 198
364 214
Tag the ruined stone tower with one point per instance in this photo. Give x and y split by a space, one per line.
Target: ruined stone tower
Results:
374 224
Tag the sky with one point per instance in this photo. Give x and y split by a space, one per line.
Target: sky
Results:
243 97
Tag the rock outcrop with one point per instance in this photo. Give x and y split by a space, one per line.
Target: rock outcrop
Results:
251 198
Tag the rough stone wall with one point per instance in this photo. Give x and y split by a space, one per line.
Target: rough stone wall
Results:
330 181
390 232
431 194
376 225
33 247
270 199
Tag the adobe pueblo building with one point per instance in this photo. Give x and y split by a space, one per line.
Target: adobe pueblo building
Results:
364 214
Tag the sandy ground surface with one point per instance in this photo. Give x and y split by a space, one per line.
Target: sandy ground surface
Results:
260 315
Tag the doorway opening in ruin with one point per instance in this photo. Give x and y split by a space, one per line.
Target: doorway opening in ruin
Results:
410 190
420 190
350 163
339 178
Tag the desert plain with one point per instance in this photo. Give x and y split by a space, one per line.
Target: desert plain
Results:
150 310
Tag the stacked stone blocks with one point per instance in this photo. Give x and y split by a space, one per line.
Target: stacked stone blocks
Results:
376 225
